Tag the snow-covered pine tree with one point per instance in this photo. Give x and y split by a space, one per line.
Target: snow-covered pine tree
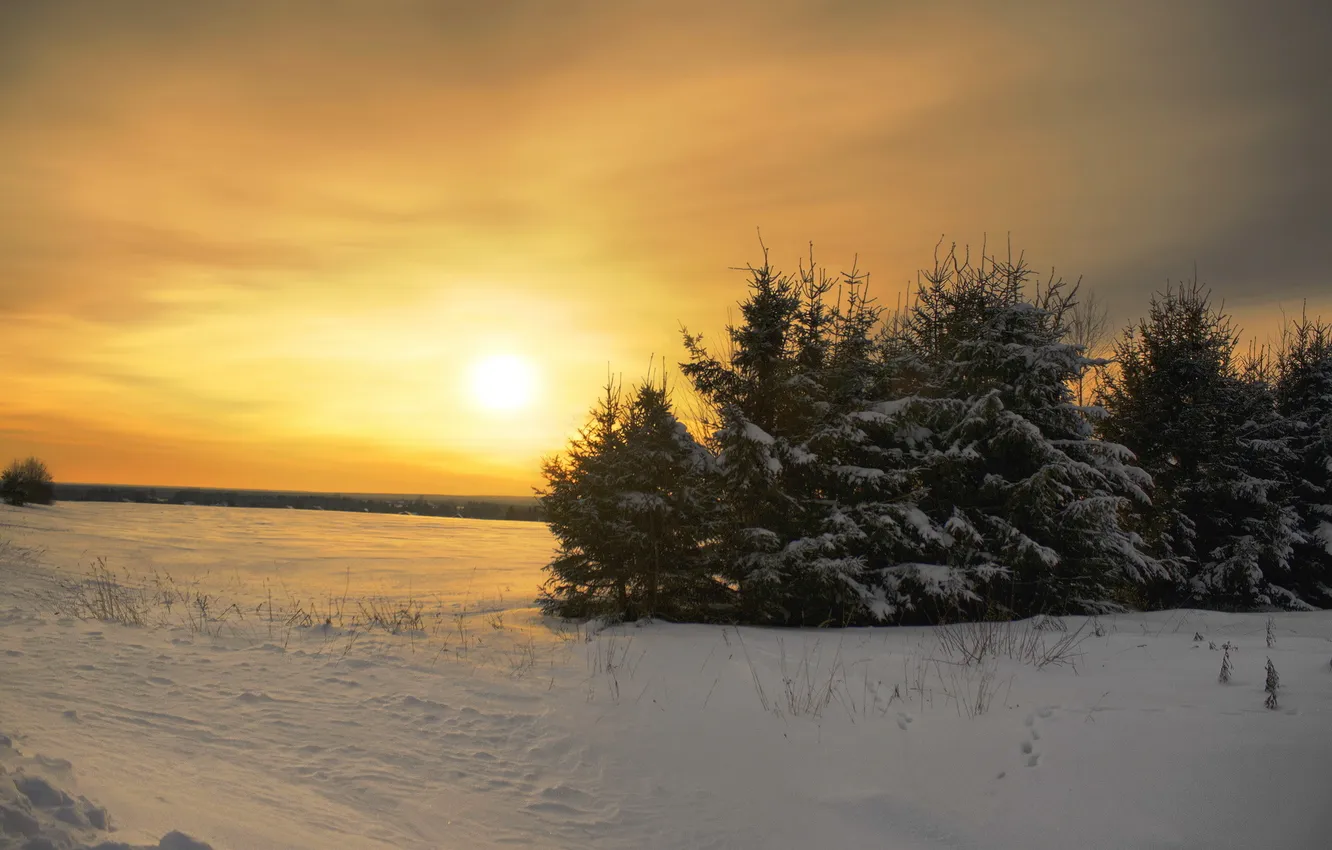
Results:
669 512
589 575
1017 505
1204 426
1254 566
747 396
798 370
848 487
1304 399
628 503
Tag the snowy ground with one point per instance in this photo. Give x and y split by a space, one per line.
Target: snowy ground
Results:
485 725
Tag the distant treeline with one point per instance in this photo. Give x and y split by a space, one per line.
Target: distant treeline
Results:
387 504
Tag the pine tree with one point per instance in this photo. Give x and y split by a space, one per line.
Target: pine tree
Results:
1254 565
629 504
670 511
845 484
746 395
1304 398
589 575
1016 505
1204 425
787 398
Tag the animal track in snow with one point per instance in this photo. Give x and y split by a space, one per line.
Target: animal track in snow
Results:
1028 746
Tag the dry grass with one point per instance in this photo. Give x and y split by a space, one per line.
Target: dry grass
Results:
609 659
107 597
336 624
822 677
1040 642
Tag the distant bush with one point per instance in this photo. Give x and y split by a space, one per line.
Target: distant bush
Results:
27 482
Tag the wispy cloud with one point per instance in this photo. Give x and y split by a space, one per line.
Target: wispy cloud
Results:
300 220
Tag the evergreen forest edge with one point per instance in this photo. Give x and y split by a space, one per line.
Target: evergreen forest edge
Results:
934 463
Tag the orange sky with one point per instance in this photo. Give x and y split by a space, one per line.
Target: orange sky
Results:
258 244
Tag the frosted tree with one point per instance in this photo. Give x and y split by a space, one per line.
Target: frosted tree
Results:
629 505
847 485
589 575
1016 506
1304 399
748 393
1204 425
1226 667
796 472
668 510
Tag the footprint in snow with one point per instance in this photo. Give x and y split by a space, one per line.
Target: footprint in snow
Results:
1028 747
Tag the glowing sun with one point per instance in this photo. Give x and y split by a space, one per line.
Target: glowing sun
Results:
503 382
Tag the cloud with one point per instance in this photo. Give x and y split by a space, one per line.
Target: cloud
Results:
192 192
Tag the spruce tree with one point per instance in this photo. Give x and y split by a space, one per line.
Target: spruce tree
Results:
629 505
1304 399
747 398
1017 505
785 397
1204 425
669 511
845 484
589 575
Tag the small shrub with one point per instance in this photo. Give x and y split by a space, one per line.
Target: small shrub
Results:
27 482
1226 667
1271 639
1273 683
973 643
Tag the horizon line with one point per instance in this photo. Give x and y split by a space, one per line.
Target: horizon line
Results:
286 492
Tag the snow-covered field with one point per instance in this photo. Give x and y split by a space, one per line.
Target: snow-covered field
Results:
265 703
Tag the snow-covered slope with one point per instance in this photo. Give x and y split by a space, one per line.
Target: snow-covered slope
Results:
485 725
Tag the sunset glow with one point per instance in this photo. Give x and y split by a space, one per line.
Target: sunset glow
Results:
503 383
275 244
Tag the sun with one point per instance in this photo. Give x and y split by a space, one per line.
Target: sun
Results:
503 383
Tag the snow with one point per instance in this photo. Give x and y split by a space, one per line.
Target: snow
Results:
857 474
492 726
756 434
1324 533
